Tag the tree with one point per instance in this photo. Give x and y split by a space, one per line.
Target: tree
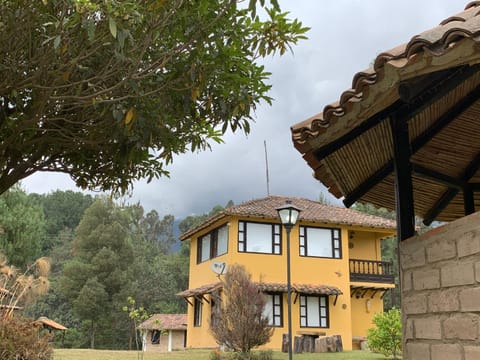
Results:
94 280
387 336
22 227
109 91
239 321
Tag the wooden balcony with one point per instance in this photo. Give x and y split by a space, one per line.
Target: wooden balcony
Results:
371 271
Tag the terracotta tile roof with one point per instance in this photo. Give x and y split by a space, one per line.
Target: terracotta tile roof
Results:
205 289
308 289
165 322
349 145
436 42
265 208
42 320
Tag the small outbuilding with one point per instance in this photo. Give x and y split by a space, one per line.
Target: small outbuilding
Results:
164 332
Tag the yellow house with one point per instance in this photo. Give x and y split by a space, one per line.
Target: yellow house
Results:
338 278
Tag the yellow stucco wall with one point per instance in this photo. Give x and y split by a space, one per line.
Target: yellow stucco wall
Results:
304 270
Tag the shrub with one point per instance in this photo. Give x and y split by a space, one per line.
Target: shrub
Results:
386 338
238 320
20 339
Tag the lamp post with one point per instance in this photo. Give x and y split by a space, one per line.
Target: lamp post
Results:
288 214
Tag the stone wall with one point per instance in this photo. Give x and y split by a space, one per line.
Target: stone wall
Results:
441 292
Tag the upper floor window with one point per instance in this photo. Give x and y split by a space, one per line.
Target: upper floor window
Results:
259 238
213 244
313 311
320 242
273 309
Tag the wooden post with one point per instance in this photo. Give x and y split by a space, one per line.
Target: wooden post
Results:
403 178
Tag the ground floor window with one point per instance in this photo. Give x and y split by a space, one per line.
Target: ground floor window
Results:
155 337
273 309
314 311
197 312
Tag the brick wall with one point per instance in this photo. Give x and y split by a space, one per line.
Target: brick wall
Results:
440 275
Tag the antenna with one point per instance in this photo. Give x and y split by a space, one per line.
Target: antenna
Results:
266 167
219 268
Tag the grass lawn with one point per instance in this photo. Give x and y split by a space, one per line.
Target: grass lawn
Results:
85 354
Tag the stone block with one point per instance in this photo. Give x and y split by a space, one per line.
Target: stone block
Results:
477 271
461 326
443 249
470 299
469 243
472 352
414 304
417 351
446 352
443 300
412 253
459 273
428 328
407 283
408 332
426 279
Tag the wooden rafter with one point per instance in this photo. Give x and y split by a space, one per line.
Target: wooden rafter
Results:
450 194
416 145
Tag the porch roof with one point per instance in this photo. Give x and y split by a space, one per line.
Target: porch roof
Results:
432 83
165 322
307 289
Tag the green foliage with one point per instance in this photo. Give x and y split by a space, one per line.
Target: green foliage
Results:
386 337
20 339
238 320
260 355
110 91
22 227
95 278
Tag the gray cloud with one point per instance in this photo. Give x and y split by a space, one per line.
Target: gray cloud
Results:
346 36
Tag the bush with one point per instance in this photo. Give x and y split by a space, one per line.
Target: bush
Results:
20 339
386 338
236 355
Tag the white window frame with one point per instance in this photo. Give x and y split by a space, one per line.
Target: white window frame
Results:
251 239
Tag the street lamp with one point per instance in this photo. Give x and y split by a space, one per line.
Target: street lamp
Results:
288 214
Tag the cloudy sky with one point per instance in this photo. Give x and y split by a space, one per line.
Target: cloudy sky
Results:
345 37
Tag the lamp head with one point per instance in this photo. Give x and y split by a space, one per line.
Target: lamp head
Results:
288 214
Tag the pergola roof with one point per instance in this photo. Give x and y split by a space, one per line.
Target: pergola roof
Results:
433 84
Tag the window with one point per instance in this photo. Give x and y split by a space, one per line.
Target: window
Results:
259 238
273 309
213 244
320 242
215 301
155 337
197 313
313 311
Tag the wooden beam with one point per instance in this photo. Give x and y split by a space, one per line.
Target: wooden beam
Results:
414 105
438 177
403 178
450 194
417 144
364 187
468 200
410 90
343 140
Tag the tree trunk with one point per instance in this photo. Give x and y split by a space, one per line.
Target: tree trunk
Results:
92 336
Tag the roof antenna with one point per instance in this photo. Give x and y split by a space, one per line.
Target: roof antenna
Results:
266 167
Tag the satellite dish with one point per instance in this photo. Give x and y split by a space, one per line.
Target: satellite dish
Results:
219 268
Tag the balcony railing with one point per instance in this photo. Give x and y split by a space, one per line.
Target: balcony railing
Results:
371 271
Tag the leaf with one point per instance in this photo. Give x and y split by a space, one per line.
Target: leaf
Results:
56 42
112 25
129 116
